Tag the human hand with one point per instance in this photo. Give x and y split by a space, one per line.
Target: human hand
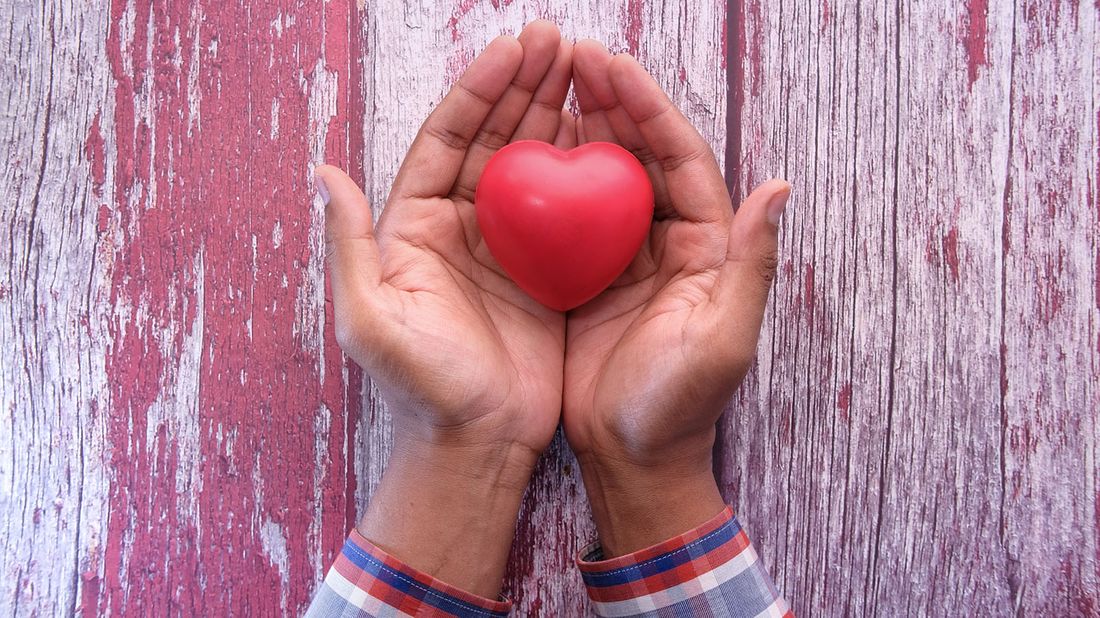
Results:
469 365
651 362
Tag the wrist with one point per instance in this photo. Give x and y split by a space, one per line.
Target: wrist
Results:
462 467
448 508
524 435
638 502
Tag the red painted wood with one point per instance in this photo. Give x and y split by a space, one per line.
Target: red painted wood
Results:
230 420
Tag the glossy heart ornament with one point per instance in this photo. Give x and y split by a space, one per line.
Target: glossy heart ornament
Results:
564 224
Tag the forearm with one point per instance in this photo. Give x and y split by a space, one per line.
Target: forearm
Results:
639 504
449 510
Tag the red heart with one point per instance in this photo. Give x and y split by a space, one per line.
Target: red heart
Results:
564 224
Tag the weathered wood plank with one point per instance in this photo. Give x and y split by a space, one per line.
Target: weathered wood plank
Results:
53 302
417 51
920 432
180 419
229 418
1050 308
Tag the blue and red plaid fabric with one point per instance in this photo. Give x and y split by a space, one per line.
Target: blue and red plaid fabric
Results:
712 570
366 581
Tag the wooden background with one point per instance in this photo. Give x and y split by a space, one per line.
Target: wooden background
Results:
181 434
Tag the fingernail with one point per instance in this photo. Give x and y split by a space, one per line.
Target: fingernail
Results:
777 206
322 190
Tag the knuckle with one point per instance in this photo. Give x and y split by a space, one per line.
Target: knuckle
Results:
491 139
526 86
475 94
653 114
644 154
464 191
446 136
674 162
546 106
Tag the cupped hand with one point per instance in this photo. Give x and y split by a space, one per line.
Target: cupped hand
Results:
651 362
457 350
469 365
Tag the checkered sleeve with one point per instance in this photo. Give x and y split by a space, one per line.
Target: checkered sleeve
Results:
712 570
366 581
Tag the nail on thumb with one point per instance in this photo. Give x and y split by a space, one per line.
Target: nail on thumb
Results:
322 190
777 205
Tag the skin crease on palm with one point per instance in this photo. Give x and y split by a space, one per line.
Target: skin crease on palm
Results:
477 375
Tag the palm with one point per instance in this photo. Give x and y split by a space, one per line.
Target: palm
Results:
467 320
627 347
674 333
419 301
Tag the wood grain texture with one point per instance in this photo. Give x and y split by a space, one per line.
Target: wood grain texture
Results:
53 302
229 425
920 433
177 435
181 433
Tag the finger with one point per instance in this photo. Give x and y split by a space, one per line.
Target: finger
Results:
544 114
695 184
595 62
350 248
752 254
566 138
436 155
540 41
590 61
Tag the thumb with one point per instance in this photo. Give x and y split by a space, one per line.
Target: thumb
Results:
350 249
752 252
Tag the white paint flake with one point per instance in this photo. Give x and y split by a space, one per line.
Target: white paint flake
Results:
194 93
273 540
274 119
309 304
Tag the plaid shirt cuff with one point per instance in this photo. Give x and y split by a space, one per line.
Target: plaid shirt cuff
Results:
366 581
699 573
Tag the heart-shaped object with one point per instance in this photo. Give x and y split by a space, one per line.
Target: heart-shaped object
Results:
564 224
